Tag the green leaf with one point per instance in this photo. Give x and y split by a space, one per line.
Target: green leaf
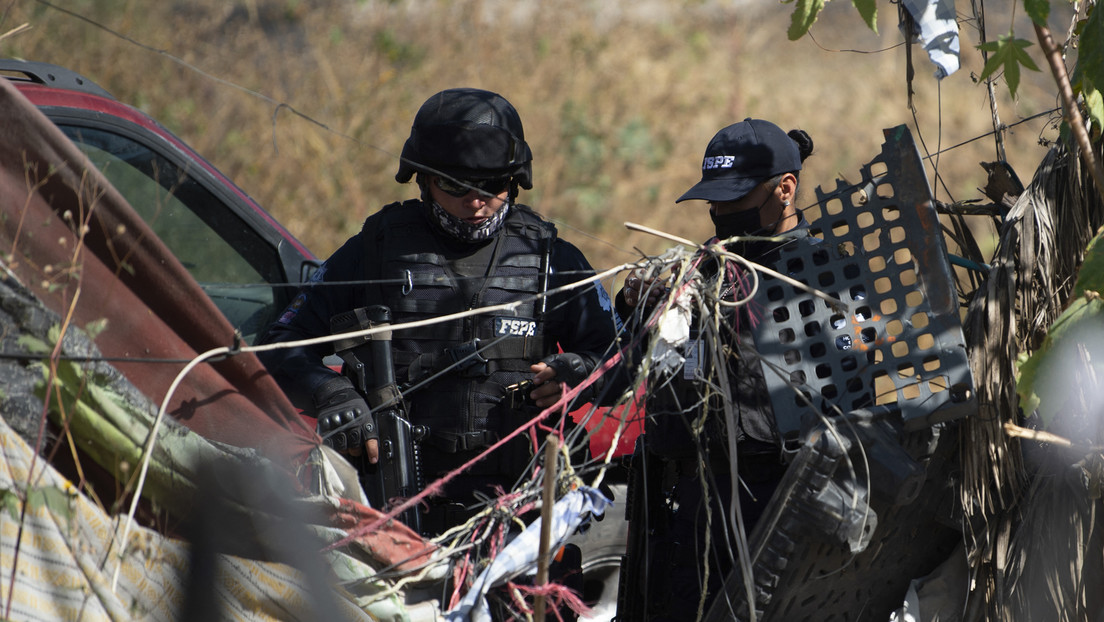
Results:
33 345
1094 102
95 327
804 15
1090 59
868 10
1010 54
1038 10
1090 278
1022 56
10 501
1038 386
55 499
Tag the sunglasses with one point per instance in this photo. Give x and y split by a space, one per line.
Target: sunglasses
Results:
460 187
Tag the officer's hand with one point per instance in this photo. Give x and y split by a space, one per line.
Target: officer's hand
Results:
641 291
548 390
344 420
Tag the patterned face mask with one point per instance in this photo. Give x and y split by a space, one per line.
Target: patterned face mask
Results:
466 232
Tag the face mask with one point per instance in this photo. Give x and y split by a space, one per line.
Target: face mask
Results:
746 222
466 232
737 223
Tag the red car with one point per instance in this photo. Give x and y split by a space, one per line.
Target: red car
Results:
246 262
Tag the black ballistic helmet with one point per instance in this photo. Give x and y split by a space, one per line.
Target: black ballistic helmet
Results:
467 134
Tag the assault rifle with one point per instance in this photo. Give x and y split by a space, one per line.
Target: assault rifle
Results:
368 363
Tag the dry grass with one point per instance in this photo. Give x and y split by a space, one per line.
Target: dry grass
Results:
618 103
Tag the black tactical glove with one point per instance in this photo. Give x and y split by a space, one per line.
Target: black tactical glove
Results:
572 369
338 406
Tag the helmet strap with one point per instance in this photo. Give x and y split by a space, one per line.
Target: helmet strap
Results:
513 185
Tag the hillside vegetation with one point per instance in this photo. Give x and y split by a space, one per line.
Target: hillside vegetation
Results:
307 103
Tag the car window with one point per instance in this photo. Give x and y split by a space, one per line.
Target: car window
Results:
232 263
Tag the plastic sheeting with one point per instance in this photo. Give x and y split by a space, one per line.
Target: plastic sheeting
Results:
522 552
60 547
938 27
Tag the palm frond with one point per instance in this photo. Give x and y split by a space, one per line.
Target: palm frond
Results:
1011 520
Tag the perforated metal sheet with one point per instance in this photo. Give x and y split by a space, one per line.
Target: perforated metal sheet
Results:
897 337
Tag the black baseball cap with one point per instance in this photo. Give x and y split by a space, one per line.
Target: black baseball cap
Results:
742 156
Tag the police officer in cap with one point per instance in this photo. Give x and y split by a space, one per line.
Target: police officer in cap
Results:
749 179
464 243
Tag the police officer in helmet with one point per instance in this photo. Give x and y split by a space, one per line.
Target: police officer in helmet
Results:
464 243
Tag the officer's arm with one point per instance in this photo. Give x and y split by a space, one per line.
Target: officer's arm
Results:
583 323
301 371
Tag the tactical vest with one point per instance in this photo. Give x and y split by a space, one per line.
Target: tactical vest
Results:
457 372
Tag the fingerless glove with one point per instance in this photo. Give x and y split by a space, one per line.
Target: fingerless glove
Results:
344 419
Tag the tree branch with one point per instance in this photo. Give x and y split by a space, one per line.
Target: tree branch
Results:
1072 114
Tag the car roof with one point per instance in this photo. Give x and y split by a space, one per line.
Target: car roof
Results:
54 88
50 75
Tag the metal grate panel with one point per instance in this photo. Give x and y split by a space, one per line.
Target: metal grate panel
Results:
895 338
